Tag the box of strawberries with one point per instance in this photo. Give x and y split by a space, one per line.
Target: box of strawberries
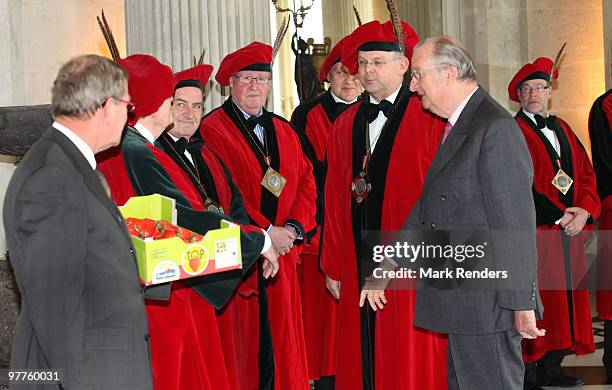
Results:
167 252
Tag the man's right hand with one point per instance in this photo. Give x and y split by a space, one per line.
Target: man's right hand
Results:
333 286
282 239
270 264
525 324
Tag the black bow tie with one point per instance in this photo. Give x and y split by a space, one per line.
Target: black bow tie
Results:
542 122
180 145
264 120
339 107
371 110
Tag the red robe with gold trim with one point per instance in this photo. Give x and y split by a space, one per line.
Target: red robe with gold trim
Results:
313 121
186 347
224 131
600 132
567 315
405 357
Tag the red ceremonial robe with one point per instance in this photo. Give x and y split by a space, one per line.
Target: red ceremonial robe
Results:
224 131
600 132
562 277
239 335
186 348
313 121
406 357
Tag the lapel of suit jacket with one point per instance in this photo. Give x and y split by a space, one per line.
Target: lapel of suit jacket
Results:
91 180
455 139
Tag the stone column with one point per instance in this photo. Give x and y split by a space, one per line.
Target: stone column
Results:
175 31
39 36
607 22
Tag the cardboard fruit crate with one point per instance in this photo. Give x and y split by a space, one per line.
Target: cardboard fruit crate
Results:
168 259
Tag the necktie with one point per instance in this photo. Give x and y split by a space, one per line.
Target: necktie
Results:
447 129
339 107
180 145
104 183
372 110
264 120
542 122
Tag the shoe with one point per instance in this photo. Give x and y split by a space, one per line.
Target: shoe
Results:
563 380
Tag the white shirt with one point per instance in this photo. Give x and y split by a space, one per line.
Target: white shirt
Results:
187 154
549 133
145 132
78 142
375 128
338 100
455 115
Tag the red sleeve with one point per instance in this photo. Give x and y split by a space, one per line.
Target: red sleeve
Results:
304 206
337 229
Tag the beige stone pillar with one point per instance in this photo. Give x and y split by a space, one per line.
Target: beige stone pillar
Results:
39 36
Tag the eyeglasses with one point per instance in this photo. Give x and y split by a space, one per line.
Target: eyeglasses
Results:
377 63
418 74
261 80
526 89
129 105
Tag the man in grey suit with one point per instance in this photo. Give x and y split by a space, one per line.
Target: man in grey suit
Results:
82 308
480 179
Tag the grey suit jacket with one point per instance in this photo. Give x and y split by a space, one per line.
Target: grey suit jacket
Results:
82 308
480 179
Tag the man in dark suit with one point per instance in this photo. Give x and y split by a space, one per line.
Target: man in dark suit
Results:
480 179
82 308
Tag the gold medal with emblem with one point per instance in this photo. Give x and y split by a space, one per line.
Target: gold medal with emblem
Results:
211 205
361 187
273 181
361 184
562 181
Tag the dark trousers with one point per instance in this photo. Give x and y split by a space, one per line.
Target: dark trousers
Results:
325 383
607 355
491 361
544 369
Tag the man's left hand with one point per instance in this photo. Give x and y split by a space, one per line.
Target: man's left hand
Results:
376 298
525 324
575 225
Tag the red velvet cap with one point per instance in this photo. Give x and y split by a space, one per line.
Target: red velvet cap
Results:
149 84
255 56
335 55
538 69
376 36
199 74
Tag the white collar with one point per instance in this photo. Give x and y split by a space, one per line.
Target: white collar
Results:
453 118
532 117
145 132
78 142
338 100
391 98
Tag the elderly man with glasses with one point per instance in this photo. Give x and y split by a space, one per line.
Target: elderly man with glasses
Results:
378 153
264 157
566 202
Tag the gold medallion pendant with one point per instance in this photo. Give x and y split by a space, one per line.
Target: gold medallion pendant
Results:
273 182
211 205
562 181
361 187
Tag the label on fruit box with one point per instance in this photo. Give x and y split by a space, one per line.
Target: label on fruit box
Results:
226 253
195 259
165 271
